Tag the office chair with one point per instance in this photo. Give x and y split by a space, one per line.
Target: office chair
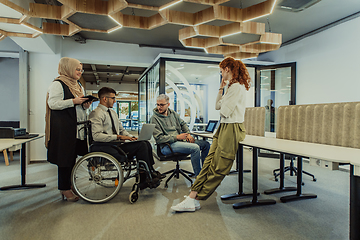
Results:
292 170
175 157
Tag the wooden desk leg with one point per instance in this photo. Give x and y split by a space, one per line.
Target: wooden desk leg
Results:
254 201
239 163
354 205
282 177
6 157
11 156
298 194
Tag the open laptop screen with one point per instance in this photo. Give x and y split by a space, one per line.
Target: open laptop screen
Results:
211 126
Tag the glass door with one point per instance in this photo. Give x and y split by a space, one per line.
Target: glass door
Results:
277 88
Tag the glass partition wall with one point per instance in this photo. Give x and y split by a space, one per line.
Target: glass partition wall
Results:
188 83
192 86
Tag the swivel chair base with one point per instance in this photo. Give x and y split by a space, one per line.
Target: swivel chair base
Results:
292 170
175 173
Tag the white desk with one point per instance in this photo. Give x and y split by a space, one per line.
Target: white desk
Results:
303 149
5 145
4 142
203 134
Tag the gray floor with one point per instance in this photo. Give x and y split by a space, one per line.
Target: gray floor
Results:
40 213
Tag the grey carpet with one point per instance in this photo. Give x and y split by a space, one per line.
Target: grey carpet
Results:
40 213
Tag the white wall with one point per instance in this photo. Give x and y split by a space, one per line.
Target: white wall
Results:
9 89
327 64
8 45
43 70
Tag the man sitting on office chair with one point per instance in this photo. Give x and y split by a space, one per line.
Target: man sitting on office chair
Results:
170 128
106 127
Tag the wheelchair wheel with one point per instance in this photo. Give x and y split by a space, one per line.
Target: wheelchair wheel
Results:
97 177
133 197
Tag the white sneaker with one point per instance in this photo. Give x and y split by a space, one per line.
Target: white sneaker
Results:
188 205
197 205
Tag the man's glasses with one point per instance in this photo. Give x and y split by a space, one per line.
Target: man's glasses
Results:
80 70
113 98
160 104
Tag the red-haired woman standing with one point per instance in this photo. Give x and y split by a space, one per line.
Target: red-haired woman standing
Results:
231 131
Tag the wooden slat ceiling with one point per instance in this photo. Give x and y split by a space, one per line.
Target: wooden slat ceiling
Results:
201 24
241 28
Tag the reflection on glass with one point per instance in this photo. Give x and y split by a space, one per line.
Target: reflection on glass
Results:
153 88
191 87
275 91
142 100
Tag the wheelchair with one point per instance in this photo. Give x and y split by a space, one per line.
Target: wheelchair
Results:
98 176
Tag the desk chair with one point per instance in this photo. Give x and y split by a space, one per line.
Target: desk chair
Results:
292 170
175 157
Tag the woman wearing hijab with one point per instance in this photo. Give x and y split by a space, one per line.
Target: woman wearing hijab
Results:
231 131
64 108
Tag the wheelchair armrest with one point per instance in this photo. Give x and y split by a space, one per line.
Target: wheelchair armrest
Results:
112 145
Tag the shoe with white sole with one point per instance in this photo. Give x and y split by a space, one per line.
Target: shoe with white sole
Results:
197 205
188 205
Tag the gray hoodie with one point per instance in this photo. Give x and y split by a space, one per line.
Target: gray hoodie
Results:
167 127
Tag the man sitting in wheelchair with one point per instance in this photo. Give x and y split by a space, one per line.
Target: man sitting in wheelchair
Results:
106 127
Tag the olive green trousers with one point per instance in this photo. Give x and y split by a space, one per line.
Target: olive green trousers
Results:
220 159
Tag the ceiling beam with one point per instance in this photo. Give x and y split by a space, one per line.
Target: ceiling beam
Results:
207 2
10 20
258 10
116 6
45 11
144 7
56 29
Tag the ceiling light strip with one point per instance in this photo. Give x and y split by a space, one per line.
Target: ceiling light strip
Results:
269 43
172 4
273 6
25 25
115 20
114 29
227 35
256 17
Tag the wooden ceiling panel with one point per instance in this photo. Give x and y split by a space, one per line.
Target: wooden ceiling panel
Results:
211 22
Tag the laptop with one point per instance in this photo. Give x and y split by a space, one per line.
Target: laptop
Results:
210 127
27 136
146 132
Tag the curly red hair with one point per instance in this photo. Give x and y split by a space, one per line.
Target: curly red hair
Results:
239 71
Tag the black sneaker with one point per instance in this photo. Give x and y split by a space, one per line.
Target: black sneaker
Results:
143 185
156 174
154 183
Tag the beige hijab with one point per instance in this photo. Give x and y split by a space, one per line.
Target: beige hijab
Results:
66 70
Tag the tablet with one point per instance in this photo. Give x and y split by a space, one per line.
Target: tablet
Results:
90 98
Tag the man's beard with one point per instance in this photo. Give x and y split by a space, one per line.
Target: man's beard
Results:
163 112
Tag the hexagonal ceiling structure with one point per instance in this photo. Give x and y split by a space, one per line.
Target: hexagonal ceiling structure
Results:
205 24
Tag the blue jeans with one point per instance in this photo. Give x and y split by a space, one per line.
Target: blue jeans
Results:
190 148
